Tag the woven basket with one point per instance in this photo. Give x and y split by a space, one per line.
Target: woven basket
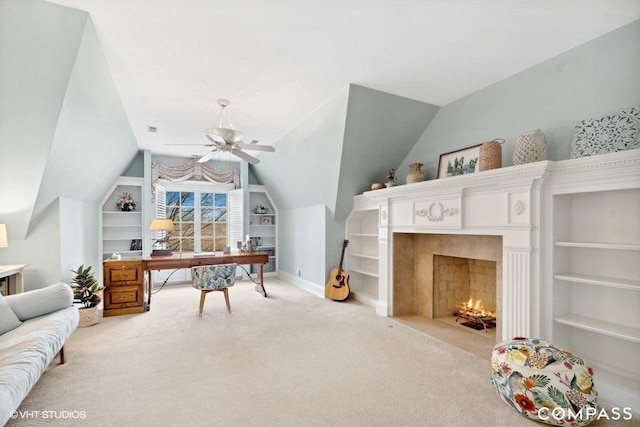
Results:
530 147
88 316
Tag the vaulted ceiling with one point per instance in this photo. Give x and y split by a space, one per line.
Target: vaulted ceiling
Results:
79 90
279 61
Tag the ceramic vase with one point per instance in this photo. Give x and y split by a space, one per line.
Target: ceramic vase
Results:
415 173
530 147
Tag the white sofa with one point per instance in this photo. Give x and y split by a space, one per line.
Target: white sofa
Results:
34 326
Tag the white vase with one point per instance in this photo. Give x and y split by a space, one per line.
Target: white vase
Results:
530 147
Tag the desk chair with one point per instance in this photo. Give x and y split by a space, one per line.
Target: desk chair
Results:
209 278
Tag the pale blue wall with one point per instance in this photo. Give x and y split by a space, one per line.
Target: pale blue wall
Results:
74 136
599 77
335 153
301 242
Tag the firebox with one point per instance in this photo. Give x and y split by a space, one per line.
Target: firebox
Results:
435 275
466 289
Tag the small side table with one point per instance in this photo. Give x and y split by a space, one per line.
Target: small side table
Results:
13 280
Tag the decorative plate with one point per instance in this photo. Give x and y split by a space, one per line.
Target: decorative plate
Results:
607 134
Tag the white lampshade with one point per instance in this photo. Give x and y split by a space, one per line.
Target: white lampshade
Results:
3 236
161 225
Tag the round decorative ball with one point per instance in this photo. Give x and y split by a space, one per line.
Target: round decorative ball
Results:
378 186
530 147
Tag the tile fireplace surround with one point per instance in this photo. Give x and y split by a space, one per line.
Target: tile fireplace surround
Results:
565 239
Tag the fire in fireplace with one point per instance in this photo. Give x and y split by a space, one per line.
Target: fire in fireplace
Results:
474 315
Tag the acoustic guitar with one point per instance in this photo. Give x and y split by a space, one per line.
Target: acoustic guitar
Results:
337 288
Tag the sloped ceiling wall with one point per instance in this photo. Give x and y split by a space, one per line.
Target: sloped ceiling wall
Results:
38 46
305 168
93 140
342 148
380 130
63 130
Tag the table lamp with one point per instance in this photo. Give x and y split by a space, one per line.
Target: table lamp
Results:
3 236
162 225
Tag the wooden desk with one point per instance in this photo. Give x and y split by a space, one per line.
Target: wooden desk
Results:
12 274
189 259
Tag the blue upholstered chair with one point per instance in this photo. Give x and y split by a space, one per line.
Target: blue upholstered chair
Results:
209 278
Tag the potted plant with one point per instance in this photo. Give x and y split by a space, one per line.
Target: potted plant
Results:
87 290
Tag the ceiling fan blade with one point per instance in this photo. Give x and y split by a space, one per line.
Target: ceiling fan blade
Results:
254 147
216 139
185 145
245 156
207 156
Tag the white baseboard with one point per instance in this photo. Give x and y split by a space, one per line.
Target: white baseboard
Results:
315 289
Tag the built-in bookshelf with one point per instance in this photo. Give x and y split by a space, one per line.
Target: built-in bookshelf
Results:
122 231
263 226
596 282
362 252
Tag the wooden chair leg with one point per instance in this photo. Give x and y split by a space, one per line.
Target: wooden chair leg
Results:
61 353
203 295
225 291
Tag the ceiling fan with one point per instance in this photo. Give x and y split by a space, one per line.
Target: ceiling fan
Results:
226 138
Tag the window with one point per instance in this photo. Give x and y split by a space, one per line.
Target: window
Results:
200 218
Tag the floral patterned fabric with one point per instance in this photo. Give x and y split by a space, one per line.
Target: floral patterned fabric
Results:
213 276
544 383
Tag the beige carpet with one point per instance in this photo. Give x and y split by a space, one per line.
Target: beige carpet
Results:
288 360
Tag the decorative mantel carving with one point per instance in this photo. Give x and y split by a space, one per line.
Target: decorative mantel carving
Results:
436 212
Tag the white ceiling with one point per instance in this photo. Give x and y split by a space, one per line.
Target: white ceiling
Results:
280 60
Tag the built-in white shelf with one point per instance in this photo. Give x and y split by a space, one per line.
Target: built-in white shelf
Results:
593 245
365 256
600 326
263 226
632 285
365 272
364 234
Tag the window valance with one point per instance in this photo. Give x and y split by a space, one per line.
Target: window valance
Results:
193 170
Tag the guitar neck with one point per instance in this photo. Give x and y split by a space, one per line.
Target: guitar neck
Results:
344 247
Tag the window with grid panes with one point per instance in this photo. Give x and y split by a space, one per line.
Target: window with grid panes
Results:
200 218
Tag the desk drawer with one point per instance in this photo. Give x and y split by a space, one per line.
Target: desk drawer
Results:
123 274
122 297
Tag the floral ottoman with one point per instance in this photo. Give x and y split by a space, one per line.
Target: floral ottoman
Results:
544 383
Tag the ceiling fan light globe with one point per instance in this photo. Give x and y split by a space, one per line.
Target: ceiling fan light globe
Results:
230 136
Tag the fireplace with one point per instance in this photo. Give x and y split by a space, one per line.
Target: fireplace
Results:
491 216
434 273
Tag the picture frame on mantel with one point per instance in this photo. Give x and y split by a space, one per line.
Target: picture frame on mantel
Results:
459 162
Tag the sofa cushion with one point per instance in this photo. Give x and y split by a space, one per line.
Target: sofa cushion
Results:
25 353
8 319
39 302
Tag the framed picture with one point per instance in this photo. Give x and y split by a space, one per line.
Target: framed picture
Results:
265 220
459 162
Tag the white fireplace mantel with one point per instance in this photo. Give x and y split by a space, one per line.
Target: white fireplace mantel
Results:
505 202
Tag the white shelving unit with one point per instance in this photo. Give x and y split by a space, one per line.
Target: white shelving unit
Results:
122 232
596 283
362 252
263 227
